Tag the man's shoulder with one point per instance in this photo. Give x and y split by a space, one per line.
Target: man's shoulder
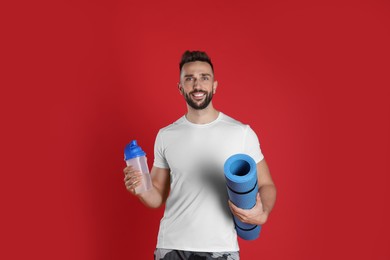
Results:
228 120
173 125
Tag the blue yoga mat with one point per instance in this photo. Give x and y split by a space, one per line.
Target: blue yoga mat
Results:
241 180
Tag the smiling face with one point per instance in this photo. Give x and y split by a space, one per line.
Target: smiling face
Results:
197 84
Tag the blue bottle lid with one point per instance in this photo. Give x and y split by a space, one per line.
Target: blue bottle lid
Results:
132 150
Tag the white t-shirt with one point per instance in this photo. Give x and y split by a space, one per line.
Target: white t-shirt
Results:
197 216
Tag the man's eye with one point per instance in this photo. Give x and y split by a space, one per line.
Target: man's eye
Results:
189 79
205 78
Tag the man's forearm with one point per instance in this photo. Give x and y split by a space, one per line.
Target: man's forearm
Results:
268 197
152 198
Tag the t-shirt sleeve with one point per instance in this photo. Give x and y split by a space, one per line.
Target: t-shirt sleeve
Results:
252 145
159 153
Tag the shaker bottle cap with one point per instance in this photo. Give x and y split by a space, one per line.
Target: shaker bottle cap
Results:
132 150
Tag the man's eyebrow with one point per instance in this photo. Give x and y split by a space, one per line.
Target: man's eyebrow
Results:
201 74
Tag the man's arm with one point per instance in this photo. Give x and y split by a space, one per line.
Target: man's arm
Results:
155 197
265 200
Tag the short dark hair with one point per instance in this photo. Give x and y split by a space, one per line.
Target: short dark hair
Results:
191 56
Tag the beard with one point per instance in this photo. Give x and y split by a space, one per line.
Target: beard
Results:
198 106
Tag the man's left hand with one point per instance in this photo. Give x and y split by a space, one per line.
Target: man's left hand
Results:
255 215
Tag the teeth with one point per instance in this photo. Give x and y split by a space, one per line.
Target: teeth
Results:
198 94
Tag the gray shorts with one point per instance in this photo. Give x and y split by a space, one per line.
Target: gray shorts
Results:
169 254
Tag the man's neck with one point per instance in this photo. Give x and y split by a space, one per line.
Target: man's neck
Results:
202 116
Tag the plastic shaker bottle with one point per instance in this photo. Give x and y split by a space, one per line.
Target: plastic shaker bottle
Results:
136 157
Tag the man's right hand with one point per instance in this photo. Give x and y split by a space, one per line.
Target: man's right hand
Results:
133 178
158 194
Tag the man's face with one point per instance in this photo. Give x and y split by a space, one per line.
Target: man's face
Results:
197 84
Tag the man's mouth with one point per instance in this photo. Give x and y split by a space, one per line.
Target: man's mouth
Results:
198 95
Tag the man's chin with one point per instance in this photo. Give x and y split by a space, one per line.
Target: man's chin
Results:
196 107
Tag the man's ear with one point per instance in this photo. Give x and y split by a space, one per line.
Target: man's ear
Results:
215 85
180 87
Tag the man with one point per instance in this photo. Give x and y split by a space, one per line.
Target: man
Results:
188 176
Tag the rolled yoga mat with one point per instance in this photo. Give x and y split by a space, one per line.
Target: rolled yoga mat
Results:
241 180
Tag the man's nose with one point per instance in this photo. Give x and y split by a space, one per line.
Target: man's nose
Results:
196 83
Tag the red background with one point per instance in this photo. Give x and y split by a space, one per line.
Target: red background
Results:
80 79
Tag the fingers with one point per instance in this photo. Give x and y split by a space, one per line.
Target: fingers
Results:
132 182
254 215
128 169
236 210
132 178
